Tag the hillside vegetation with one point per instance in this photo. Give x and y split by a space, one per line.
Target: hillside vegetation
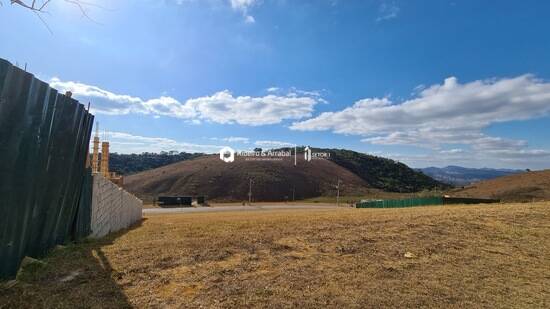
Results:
381 173
220 181
385 174
360 175
126 164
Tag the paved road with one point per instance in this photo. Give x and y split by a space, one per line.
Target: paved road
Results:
232 208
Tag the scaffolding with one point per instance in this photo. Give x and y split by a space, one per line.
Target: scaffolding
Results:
100 163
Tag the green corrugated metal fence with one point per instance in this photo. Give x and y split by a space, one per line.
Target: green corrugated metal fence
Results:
411 202
422 201
44 138
82 224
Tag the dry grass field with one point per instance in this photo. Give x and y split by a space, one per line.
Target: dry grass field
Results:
452 256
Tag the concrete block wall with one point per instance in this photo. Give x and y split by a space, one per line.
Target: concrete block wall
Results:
113 209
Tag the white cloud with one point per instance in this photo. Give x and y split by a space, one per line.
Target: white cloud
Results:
249 19
273 144
446 114
244 6
519 159
232 139
452 151
434 138
450 110
106 102
241 6
387 10
122 142
272 89
221 107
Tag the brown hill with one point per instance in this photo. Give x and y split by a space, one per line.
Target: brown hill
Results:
523 187
272 180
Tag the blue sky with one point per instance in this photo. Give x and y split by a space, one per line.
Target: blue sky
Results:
428 83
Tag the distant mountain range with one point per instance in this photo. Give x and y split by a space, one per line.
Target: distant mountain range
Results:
461 176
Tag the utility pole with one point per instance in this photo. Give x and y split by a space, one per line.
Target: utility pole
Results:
338 193
295 154
250 192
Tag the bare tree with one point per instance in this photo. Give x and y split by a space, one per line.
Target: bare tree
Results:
38 7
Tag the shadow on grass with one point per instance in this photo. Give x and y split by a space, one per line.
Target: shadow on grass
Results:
76 275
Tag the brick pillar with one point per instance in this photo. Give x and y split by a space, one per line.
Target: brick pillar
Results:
95 155
105 160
